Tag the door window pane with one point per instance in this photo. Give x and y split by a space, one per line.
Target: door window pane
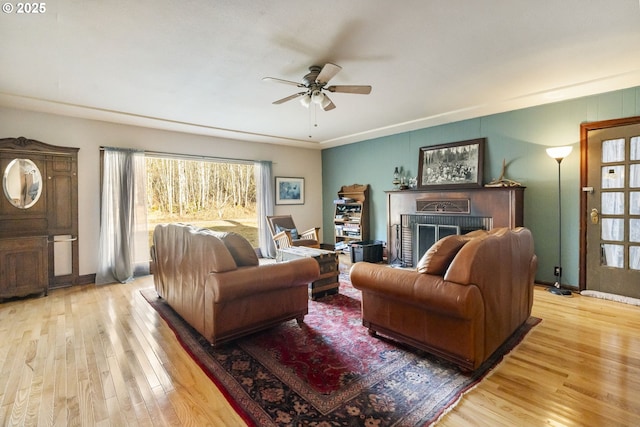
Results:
634 257
613 256
612 176
613 229
635 148
613 150
634 230
612 203
634 203
634 176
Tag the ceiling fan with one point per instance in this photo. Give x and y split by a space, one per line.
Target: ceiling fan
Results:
315 83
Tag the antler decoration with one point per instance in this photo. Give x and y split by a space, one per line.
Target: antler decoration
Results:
502 181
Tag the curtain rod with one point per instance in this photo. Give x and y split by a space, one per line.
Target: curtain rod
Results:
184 156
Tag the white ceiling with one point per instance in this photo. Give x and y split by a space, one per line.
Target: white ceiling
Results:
197 65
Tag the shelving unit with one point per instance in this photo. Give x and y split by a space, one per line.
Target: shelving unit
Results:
351 218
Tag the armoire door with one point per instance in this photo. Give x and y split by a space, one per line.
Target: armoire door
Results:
62 218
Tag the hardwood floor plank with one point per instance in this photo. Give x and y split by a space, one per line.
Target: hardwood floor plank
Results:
99 374
59 389
9 371
45 412
35 398
143 418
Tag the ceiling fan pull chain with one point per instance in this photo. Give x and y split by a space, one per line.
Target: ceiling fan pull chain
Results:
315 116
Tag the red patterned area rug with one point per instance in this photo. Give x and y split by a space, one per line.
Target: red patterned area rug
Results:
329 371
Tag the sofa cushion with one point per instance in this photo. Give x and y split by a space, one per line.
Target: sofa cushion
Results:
200 248
240 248
437 259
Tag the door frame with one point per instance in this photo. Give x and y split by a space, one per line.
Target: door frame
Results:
584 215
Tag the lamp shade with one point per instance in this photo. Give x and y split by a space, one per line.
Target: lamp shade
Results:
559 153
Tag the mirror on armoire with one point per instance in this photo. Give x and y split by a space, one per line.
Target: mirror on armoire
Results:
38 217
22 183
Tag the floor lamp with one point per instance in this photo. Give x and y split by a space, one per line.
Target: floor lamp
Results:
559 153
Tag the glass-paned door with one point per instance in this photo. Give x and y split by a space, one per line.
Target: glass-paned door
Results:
613 229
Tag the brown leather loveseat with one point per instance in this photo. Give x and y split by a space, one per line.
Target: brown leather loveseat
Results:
467 296
214 281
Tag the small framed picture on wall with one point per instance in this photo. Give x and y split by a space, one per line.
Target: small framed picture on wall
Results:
289 191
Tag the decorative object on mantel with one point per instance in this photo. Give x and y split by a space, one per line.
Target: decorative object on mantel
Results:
502 181
403 184
396 179
559 153
413 182
402 180
453 165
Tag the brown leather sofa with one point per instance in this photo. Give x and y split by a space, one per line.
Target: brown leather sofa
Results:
467 296
215 282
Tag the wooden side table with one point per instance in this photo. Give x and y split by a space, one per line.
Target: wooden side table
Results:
327 283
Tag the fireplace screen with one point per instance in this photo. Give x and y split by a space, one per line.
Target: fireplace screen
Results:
427 235
419 231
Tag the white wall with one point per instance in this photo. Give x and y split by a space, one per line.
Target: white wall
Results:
90 135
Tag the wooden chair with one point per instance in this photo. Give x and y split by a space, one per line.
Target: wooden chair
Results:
285 234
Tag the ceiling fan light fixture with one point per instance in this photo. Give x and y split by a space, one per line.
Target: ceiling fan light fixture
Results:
305 100
317 97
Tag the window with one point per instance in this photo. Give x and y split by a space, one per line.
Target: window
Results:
214 194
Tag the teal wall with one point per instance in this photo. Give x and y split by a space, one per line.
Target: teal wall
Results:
520 137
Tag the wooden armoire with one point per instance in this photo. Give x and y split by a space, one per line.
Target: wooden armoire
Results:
38 217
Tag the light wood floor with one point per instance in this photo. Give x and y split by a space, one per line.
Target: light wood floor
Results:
92 355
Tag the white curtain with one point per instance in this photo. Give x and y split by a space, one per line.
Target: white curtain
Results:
124 241
264 207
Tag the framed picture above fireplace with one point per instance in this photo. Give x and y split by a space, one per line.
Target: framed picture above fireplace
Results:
452 165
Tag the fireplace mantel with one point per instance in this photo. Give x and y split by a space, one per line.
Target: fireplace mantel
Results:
503 205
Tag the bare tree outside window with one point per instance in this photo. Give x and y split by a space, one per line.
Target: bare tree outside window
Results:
216 195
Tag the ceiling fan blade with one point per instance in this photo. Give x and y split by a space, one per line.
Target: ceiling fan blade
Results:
289 98
287 82
363 90
330 105
328 71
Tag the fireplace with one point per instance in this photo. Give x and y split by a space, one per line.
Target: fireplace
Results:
418 232
417 218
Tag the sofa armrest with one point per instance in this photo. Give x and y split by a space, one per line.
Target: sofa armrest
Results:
430 292
250 281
